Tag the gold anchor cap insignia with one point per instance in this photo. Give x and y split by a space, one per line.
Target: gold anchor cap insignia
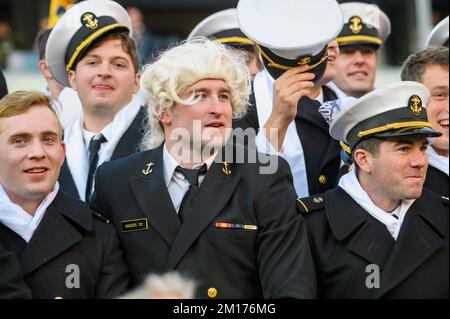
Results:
415 104
148 169
89 20
355 24
305 60
225 168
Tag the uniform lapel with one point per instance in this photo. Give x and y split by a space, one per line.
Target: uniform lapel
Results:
153 198
421 235
54 235
129 142
370 239
215 192
67 182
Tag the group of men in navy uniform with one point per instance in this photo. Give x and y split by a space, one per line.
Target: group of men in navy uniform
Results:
168 188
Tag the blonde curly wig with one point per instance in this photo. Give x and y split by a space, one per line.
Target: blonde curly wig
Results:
182 66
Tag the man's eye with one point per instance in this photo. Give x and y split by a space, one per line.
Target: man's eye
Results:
19 141
440 95
49 140
224 97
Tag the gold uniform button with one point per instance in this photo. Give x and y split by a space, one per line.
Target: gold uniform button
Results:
58 297
212 292
322 179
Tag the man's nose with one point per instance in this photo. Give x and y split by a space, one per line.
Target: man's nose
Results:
216 106
37 150
419 159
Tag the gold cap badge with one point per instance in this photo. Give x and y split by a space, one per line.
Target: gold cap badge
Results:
415 104
89 20
355 24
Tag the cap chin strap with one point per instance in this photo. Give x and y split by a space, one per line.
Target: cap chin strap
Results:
345 147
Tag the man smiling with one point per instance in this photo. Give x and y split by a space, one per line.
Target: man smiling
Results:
365 29
51 233
380 234
430 67
96 57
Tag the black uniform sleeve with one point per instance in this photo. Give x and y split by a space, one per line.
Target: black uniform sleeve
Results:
283 251
12 285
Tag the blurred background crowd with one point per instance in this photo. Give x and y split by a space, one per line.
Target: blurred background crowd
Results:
159 24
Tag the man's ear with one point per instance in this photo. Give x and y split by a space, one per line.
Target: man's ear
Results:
44 70
166 117
63 156
137 83
364 159
72 79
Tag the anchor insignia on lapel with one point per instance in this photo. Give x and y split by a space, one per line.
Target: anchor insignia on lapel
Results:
148 169
225 169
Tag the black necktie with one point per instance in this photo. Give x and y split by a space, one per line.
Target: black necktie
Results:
191 176
94 146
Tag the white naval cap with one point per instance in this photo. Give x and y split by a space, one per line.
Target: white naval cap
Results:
395 109
363 24
77 29
290 33
439 35
223 27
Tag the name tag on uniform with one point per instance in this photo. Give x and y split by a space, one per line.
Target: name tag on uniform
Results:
235 226
134 225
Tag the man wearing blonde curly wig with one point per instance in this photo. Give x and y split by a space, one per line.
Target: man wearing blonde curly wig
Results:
183 205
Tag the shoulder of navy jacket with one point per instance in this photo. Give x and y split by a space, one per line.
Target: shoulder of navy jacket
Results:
445 200
101 217
310 204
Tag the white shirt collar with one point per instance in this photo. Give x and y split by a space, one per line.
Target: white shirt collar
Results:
350 184
170 164
77 143
437 161
320 97
18 220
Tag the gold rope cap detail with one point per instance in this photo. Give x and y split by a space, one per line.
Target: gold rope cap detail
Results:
352 38
275 65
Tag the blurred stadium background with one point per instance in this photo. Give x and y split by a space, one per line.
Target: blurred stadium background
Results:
170 21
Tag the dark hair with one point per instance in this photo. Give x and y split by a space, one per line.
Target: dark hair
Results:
128 44
41 42
371 145
414 66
